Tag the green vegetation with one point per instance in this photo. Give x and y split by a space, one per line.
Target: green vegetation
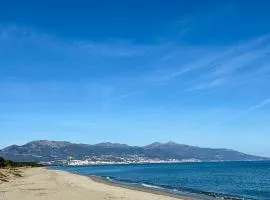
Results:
10 164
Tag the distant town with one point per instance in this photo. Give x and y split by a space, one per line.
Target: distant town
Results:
107 160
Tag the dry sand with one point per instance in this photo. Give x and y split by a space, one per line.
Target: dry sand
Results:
41 183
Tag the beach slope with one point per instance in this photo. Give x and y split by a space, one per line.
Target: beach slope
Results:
41 183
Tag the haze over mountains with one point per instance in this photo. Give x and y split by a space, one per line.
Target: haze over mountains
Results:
45 151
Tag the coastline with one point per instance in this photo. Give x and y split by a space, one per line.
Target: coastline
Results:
140 189
43 183
157 191
153 189
102 180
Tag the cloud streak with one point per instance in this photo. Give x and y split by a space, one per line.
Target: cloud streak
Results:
20 35
208 85
212 64
264 103
175 70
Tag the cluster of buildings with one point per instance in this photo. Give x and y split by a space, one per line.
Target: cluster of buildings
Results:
109 159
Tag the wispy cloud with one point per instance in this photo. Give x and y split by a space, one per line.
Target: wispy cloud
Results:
224 67
20 35
169 66
107 103
208 85
236 61
214 62
255 107
114 49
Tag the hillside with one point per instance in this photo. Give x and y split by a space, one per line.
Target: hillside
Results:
45 151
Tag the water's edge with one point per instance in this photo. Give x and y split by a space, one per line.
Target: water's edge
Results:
188 193
136 187
192 195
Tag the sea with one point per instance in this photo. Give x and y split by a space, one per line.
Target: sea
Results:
201 180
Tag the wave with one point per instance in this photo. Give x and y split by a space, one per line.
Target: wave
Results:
151 186
181 191
170 189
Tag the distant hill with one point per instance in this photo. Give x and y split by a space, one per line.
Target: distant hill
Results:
44 150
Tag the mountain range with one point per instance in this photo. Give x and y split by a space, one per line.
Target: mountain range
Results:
45 151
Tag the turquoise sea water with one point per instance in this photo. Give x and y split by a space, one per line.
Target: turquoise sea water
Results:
227 180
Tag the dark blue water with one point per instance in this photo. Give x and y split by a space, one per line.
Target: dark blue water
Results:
232 180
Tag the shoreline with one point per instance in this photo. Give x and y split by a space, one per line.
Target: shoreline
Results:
47 182
166 193
178 194
43 184
140 189
102 180
159 191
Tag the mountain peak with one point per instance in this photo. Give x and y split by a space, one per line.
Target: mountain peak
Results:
171 143
159 144
110 144
52 144
153 145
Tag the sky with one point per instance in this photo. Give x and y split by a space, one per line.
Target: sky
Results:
136 72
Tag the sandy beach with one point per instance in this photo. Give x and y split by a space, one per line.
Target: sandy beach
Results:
41 183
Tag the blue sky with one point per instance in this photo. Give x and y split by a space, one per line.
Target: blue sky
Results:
136 72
